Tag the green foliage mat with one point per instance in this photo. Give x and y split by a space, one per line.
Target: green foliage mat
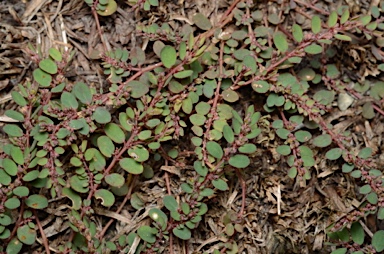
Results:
190 139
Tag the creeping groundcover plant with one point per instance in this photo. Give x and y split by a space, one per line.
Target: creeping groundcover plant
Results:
180 124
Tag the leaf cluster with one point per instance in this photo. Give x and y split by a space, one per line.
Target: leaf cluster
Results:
70 140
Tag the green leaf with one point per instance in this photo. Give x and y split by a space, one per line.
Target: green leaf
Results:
254 133
138 89
18 98
136 201
250 63
168 56
316 24
138 153
175 86
307 74
375 172
42 78
183 74
107 197
152 78
115 180
109 9
159 216
240 54
282 133
68 101
5 220
154 145
347 168
283 150
375 10
137 56
372 198
206 192
131 166
308 160
73 196
200 169
31 175
115 133
340 251
55 54
342 37
82 92
14 246
230 95
377 91
14 115
58 88
182 50
357 233
185 208
260 86
48 66
220 184
324 97
297 33
76 124
186 187
152 123
365 19
62 133
197 119
303 136
322 140
79 184
280 41
332 19
313 49
277 124
365 189
182 232
247 148
26 235
239 35
157 47
13 130
170 203
196 141
275 100
356 173
215 149
202 108
377 240
368 111
365 153
10 167
12 203
380 214
202 22
144 135
228 134
239 161
334 154
345 16
292 173
21 191
106 146
147 233
101 115
37 201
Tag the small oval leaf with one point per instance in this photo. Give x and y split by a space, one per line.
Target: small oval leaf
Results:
168 56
